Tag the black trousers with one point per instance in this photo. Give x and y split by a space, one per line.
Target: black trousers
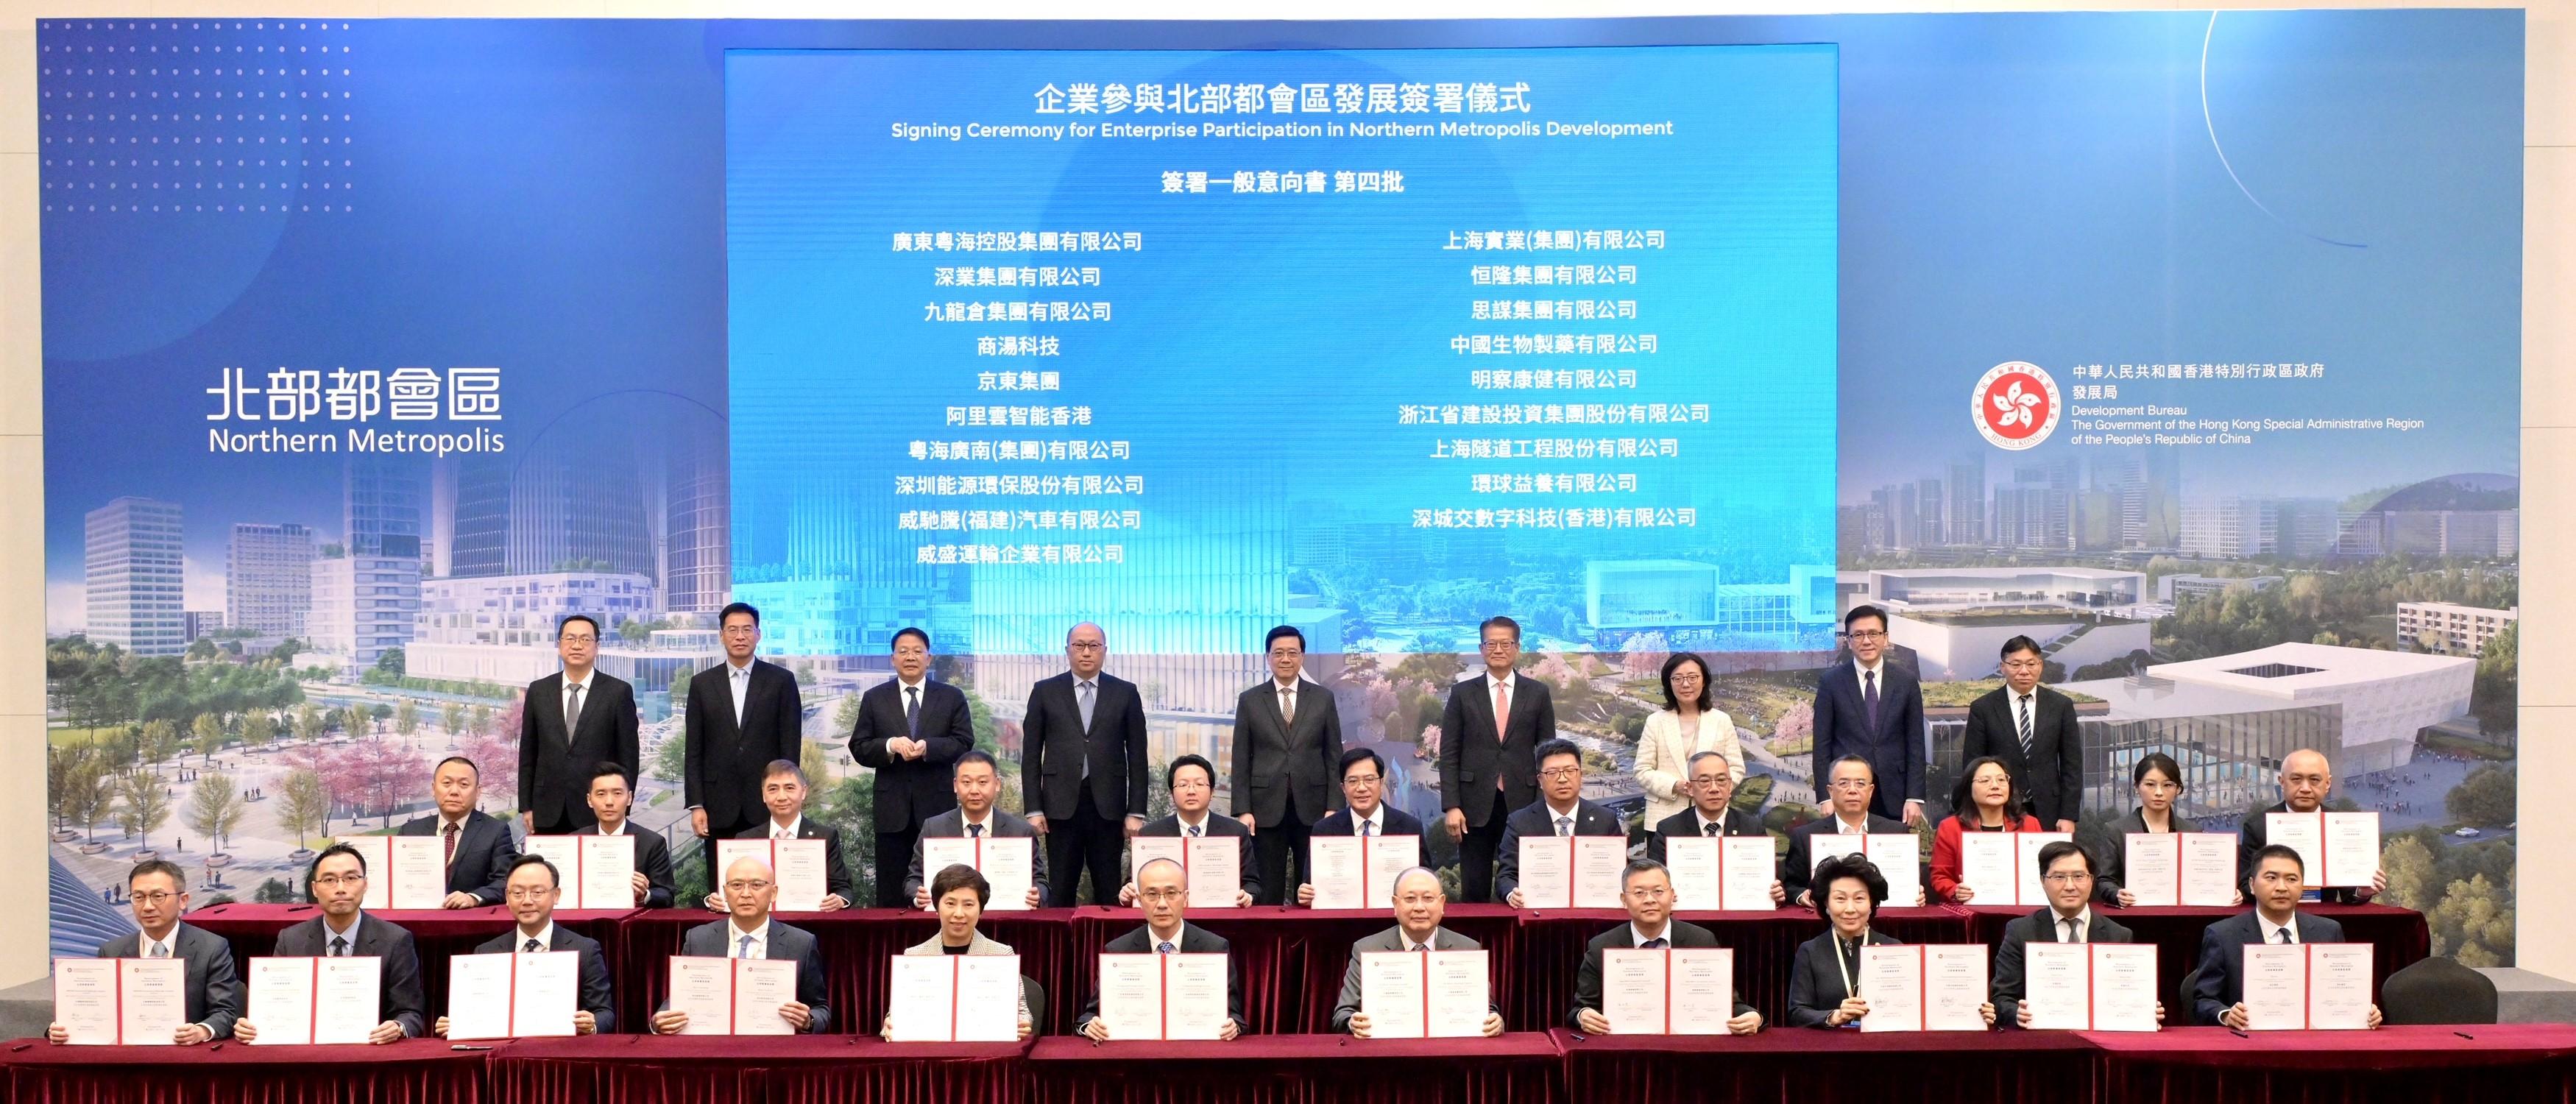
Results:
1273 845
894 861
1476 853
1090 840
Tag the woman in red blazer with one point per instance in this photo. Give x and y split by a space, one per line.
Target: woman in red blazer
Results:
1985 802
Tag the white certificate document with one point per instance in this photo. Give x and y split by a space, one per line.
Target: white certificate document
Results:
1698 868
1215 870
565 853
2152 868
1986 864
347 1002
479 996
1194 995
801 866
1891 980
1700 990
940 853
545 990
2209 869
2057 985
1395 994
1826 845
923 1003
2352 848
1633 991
607 872
1750 865
282 1000
1131 995
2338 986
988 997
703 988
2304 833
2124 986
2276 986
1547 872
2034 892
1337 867
379 855
1899 858
418 871
1954 986
1598 863
85 1000
1388 858
154 996
1457 987
1010 867
760 988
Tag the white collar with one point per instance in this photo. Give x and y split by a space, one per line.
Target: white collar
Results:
963 820
545 936
743 670
1637 936
1183 820
1555 814
1405 940
459 822
1155 939
355 919
596 830
2083 921
925 681
1290 687
1879 668
1845 828
795 828
1510 681
1704 821
583 681
1376 820
2271 930
758 935
144 942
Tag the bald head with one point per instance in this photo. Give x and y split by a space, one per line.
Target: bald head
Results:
750 889
2306 779
1085 648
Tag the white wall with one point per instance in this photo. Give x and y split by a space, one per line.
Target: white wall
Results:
2547 882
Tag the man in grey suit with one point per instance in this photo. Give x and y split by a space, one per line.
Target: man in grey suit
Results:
2276 884
1287 748
977 781
749 891
569 722
1560 811
1082 767
158 890
1647 889
1489 737
478 845
1165 895
2066 872
1420 903
338 881
1873 709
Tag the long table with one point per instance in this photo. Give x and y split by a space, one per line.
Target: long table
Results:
438 934
2399 935
1815 1066
781 1069
1300 1069
2484 1064
414 1071
1765 944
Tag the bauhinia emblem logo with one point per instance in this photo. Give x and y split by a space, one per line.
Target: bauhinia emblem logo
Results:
2015 405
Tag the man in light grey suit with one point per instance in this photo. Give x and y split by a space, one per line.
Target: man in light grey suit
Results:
977 781
961 894
1287 759
1419 905
159 892
749 890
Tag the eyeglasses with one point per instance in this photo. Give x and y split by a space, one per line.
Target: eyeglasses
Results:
1866 634
1848 784
2021 666
155 899
2065 877
1285 653
331 880
1361 780
583 638
1561 772
1160 895
1085 646
745 887
523 893
1711 780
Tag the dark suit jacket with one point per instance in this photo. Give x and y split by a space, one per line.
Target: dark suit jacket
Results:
1194 940
2222 959
1274 761
1216 826
399 995
1536 819
214 990
2112 852
1471 759
1798 864
1392 939
2254 833
836 869
1894 748
910 791
1816 981
594 997
554 770
1391 822
484 852
1587 980
1686 823
710 940
652 860
2038 927
2050 780
1054 748
725 760
952 825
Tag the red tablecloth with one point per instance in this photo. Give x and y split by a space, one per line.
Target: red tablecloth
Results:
1300 1069
1765 943
439 933
414 1071
1292 959
2399 934
857 943
2485 1064
1804 1065
793 1069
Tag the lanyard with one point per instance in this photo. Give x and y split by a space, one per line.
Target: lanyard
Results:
1851 987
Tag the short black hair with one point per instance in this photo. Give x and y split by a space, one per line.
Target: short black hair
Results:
732 608
1840 867
778 767
1283 630
1641 866
1351 757
335 849
2020 644
1498 621
2159 761
2054 850
899 634
1866 764
1963 793
1707 698
2278 851
158 866
606 767
533 859
1864 610
469 765
974 755
1174 771
1552 748
584 618
957 876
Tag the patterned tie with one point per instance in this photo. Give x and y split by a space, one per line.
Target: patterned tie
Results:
1564 826
1869 697
1655 944
2025 727
1164 947
1287 706
1711 828
1085 702
1194 831
339 946
744 951
531 947
572 714
451 844
1365 825
912 710
974 831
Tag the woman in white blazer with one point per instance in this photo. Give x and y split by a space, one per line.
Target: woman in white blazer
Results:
1689 723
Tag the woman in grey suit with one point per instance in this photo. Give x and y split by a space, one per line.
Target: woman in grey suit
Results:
960 893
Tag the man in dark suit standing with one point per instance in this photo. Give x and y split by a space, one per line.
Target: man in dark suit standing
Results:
1711 786
1489 737
1082 768
910 731
158 891
478 845
1561 810
743 714
749 889
2066 872
612 796
569 723
1287 743
338 881
1873 709
1164 894
534 888
2276 885
1646 888
2032 729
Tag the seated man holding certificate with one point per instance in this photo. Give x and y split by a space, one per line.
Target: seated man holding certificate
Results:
1710 785
612 796
478 845
1163 890
2066 870
1987 801
783 788
2306 780
1646 888
1823 980
750 888
534 887
1365 813
2278 881
1192 781
1561 810
960 894
977 782
1420 903
158 891
1850 785
338 881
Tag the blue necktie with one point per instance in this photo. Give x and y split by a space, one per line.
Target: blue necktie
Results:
745 952
974 831
1869 697
1655 944
1164 947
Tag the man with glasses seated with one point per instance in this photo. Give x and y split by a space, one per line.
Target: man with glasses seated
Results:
338 880
1560 810
1873 709
534 887
2066 870
1365 811
1646 889
1848 787
1163 891
158 891
2306 780
749 890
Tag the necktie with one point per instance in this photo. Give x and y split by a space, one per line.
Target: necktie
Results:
1194 831
912 710
1365 825
2284 934
1085 701
339 946
1565 826
1502 712
741 683
778 833
1655 944
1711 828
572 713
1869 697
451 844
1287 706
1164 947
744 950
159 950
531 947
974 831
2025 726
2069 924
